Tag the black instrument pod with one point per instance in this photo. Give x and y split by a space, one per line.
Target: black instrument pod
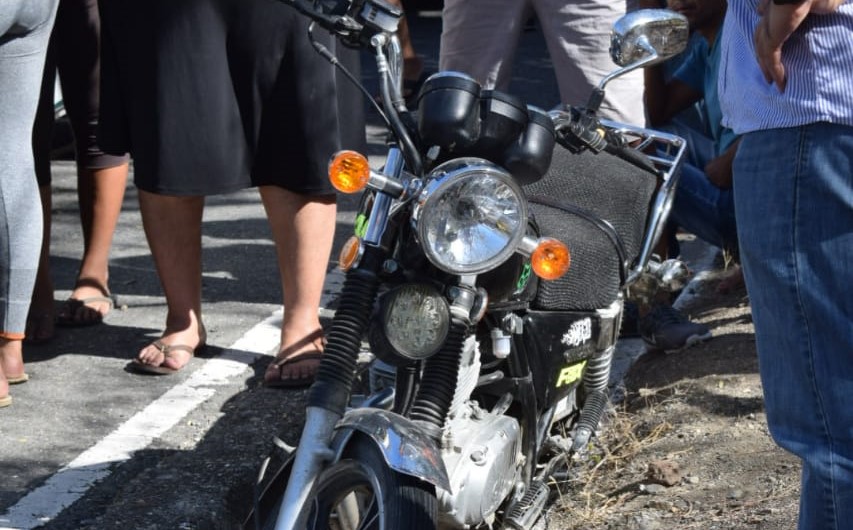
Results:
449 111
502 118
529 157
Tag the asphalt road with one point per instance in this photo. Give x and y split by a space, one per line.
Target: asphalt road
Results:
88 445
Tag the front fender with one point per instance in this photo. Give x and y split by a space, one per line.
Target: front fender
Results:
404 445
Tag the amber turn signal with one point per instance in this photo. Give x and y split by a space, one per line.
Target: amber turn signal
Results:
551 259
349 171
350 253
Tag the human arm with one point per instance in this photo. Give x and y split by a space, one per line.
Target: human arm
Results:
776 25
666 99
719 170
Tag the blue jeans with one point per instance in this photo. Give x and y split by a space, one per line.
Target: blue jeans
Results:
704 209
794 203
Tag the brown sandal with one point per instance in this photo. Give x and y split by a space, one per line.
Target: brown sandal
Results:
166 349
285 359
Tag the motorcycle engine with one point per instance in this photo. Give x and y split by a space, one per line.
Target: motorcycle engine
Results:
482 456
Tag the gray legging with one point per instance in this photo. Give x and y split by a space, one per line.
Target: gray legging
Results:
24 32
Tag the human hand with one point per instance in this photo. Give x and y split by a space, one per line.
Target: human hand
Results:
777 23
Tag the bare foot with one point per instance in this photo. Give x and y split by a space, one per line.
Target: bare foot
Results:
5 398
296 365
42 315
41 326
171 352
89 303
12 363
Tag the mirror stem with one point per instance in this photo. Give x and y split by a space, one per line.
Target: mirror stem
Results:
597 95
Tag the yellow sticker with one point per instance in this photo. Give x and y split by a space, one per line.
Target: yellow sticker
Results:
570 374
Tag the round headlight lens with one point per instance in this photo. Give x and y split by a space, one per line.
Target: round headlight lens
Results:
415 320
470 217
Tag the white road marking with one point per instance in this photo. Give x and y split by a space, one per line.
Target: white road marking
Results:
71 482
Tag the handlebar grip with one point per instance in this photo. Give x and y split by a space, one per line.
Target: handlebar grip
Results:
632 156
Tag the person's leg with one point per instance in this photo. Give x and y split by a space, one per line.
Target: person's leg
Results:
794 205
40 320
173 230
101 178
24 32
303 230
703 209
100 193
413 64
468 42
578 38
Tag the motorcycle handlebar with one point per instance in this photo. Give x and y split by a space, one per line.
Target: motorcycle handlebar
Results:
353 21
583 130
328 21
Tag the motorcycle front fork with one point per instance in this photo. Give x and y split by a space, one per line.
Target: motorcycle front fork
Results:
330 393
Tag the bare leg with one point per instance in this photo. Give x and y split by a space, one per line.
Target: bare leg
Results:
100 194
173 229
6 345
303 229
11 363
41 315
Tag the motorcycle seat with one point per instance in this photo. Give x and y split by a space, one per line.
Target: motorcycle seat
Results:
606 203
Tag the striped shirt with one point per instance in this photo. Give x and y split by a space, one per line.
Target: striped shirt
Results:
818 60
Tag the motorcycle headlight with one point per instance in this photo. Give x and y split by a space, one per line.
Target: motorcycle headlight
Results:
414 320
470 216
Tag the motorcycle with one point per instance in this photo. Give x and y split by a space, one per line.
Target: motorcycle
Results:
488 271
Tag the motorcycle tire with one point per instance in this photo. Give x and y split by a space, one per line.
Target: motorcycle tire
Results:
360 492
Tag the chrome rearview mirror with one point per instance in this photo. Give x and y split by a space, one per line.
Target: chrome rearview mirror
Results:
648 36
639 39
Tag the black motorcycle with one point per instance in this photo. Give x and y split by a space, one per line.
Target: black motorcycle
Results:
490 260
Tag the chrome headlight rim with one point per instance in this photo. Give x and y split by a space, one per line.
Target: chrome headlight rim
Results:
443 178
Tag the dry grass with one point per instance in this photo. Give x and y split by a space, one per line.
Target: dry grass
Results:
588 497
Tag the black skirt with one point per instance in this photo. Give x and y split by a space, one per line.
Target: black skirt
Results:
213 96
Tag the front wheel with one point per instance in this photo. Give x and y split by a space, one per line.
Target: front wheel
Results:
360 492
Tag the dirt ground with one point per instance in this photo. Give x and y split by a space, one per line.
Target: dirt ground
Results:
688 448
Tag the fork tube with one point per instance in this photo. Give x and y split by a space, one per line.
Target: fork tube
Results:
382 204
330 393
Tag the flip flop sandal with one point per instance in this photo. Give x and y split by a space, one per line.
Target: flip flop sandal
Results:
67 316
166 349
17 379
5 401
293 382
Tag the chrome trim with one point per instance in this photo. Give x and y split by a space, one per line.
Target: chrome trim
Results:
382 203
405 446
670 151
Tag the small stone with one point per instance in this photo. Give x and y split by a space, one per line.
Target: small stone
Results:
652 489
735 494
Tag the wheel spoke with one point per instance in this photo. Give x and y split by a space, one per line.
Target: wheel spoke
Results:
371 514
